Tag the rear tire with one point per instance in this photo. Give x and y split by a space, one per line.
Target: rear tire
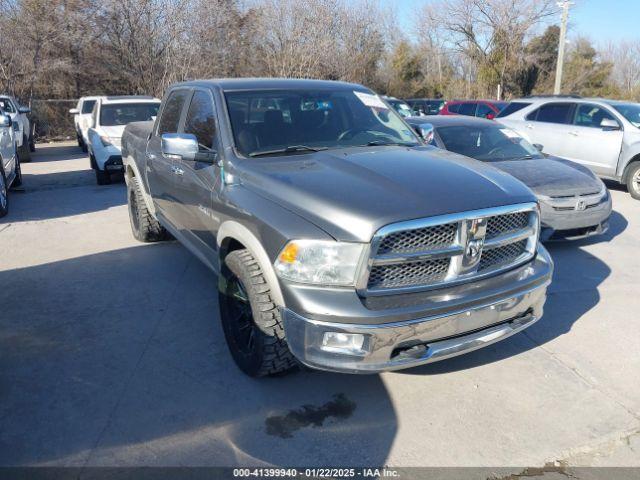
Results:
25 152
102 177
251 320
4 194
633 180
17 182
144 227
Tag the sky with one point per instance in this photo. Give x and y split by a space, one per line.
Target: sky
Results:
600 20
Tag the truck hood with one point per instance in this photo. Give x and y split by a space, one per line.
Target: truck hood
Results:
351 193
115 131
552 176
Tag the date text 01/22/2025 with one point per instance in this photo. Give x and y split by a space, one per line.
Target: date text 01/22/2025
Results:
315 472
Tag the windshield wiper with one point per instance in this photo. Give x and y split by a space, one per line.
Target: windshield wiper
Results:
382 143
289 149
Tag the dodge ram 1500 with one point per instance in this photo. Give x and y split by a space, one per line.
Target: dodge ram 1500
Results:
339 239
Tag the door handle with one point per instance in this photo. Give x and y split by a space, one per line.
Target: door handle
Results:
574 134
529 126
177 171
151 156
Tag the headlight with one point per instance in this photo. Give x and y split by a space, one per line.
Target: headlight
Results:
320 262
106 141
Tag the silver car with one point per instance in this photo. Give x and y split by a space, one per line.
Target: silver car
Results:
10 174
603 135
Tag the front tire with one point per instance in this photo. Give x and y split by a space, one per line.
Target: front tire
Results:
144 227
633 180
102 177
251 320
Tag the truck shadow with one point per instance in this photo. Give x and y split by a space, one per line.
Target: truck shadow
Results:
572 293
120 357
54 152
61 191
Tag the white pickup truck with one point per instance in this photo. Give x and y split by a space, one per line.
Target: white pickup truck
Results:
108 118
82 119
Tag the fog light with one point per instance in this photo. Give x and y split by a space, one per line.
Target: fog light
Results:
349 343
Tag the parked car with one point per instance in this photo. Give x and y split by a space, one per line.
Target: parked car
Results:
473 108
22 125
339 239
10 173
425 106
574 203
399 106
108 118
603 135
82 120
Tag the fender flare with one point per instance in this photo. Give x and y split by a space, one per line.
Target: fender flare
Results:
129 163
234 230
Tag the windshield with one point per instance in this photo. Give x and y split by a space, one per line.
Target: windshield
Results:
5 104
298 121
630 111
87 106
124 113
487 143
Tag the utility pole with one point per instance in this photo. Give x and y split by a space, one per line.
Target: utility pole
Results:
565 4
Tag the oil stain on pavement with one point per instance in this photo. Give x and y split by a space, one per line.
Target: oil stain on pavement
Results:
283 426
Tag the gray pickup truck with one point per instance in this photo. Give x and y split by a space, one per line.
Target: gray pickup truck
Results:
340 241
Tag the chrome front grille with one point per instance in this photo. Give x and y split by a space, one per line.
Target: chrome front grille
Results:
403 274
445 250
511 222
571 203
436 236
504 255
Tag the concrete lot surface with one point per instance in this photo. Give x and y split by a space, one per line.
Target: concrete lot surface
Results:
111 353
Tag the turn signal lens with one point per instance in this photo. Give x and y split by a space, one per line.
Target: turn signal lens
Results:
289 253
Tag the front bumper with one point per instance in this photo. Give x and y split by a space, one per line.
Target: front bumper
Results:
574 224
114 164
490 310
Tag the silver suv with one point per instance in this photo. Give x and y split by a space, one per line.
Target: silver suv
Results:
601 134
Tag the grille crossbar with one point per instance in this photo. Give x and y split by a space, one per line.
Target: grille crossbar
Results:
437 252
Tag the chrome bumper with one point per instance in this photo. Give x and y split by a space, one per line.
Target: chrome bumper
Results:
398 345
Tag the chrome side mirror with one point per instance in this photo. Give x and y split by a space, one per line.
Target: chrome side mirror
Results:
24 110
609 124
179 145
5 121
538 147
74 111
426 131
184 146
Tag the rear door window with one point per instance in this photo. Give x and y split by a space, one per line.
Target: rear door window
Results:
454 107
200 119
468 109
170 118
552 113
484 110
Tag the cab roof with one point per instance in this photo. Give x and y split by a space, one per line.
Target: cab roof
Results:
239 84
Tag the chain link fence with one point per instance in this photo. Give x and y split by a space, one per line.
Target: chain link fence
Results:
51 119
